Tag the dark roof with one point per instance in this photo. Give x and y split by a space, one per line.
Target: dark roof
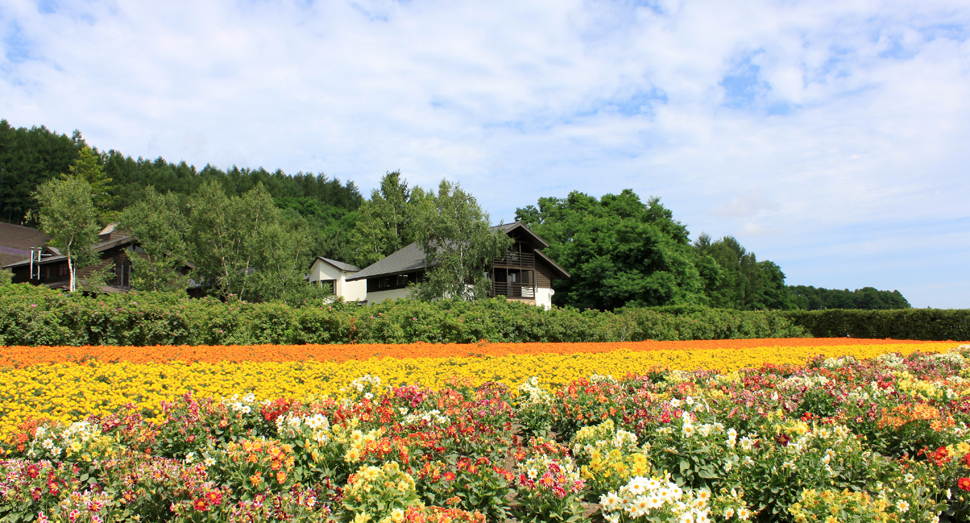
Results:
346 267
101 247
410 258
509 227
555 266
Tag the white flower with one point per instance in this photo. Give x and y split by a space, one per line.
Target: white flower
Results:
902 506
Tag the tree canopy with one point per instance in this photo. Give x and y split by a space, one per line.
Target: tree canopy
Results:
742 281
386 222
620 251
866 298
68 216
459 246
162 230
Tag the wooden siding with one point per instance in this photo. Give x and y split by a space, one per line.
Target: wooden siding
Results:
544 275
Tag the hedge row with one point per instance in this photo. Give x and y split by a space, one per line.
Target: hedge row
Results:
39 316
900 324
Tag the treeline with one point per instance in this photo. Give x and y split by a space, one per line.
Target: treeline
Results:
867 298
31 157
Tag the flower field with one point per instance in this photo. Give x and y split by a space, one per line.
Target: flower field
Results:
789 430
70 383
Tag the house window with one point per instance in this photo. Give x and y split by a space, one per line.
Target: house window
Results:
328 284
62 270
396 281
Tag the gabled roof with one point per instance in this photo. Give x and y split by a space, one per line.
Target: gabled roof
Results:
518 226
101 247
346 267
410 258
555 266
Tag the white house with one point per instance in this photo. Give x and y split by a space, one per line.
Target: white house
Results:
335 273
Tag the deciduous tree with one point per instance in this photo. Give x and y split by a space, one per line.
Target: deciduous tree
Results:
161 229
459 246
244 246
386 222
619 250
68 216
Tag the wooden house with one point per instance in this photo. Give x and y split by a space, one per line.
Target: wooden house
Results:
47 266
525 273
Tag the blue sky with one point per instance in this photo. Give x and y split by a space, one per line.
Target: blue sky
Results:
829 137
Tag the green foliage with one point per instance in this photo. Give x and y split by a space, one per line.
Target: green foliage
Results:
906 324
68 216
28 158
5 277
38 316
161 229
88 167
386 222
742 282
459 246
619 250
244 246
866 298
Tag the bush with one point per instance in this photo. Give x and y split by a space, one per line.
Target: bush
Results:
40 316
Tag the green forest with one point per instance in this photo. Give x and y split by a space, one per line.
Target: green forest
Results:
254 233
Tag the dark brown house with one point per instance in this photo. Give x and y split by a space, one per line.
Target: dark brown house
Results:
49 267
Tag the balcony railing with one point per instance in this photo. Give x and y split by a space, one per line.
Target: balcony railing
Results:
517 259
513 290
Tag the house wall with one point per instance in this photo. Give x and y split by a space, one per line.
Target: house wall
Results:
544 275
544 298
348 290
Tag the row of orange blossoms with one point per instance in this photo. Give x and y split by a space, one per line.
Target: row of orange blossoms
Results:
20 357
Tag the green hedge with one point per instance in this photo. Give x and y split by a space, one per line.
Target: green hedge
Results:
39 316
901 324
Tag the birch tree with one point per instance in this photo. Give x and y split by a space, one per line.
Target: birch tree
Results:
161 230
453 231
67 215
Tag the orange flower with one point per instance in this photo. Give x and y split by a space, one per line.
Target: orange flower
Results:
19 357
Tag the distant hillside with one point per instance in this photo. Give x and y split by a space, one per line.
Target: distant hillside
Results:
16 241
